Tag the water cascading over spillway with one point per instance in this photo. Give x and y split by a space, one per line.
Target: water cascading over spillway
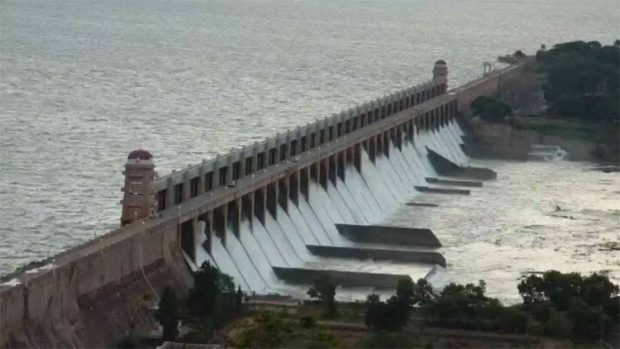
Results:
358 197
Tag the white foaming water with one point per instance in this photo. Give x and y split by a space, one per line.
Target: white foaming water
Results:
282 241
308 235
361 196
419 145
272 253
200 253
359 189
455 141
85 82
399 164
417 169
450 137
327 204
389 178
245 264
314 222
256 252
450 140
339 203
432 144
455 132
227 264
291 232
371 176
319 204
457 129
355 207
440 147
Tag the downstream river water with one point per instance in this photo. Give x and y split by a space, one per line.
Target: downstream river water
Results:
84 82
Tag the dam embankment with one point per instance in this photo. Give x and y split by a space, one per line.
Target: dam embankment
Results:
251 212
582 141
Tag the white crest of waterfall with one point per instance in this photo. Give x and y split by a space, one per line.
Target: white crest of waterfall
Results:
362 197
226 264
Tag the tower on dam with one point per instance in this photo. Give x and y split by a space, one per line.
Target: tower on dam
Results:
139 190
301 199
440 74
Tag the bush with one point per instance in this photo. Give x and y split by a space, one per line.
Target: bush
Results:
167 314
511 319
558 325
541 311
267 331
588 321
325 339
490 109
389 340
307 322
387 316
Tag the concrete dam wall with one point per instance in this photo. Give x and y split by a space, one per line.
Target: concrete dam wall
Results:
261 214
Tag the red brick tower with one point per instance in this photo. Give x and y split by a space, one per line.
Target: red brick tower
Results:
139 198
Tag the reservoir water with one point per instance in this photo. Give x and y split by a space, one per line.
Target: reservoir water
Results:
84 82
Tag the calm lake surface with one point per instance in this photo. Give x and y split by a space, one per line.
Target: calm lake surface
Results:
84 82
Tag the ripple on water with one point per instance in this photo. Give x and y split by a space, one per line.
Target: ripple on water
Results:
76 99
497 242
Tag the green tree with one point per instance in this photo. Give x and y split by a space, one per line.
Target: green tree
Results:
540 311
590 303
598 290
532 289
554 286
238 300
559 289
509 319
405 291
423 291
558 325
582 80
209 286
325 291
589 321
391 315
467 306
167 314
372 310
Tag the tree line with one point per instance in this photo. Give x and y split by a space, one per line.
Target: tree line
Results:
582 80
561 305
554 304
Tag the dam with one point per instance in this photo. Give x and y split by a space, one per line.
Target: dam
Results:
273 215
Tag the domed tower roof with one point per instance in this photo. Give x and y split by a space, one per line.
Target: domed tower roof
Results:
139 191
440 70
139 154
